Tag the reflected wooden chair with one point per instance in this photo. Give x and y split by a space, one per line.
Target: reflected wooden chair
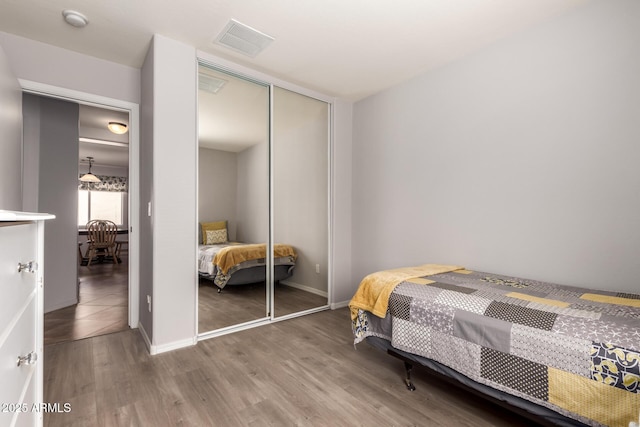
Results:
101 239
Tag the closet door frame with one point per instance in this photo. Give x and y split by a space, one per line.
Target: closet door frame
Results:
220 64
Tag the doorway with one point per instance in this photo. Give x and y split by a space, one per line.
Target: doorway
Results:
102 285
127 269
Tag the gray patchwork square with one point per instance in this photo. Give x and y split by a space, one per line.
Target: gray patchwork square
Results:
415 290
457 353
460 301
558 351
516 373
439 317
607 329
451 287
629 296
400 306
412 338
481 330
521 315
563 310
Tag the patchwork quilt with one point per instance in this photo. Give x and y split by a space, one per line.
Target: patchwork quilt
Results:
220 261
573 350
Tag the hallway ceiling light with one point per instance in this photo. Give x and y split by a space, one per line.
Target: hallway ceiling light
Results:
117 127
89 177
75 18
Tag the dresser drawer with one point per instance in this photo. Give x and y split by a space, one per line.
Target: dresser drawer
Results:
18 244
18 341
34 414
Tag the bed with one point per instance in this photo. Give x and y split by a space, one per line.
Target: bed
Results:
557 354
236 263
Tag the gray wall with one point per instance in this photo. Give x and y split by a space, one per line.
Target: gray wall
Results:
51 125
10 137
146 191
521 159
217 187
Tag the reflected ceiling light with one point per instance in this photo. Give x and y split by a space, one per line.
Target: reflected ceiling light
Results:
117 127
75 18
89 177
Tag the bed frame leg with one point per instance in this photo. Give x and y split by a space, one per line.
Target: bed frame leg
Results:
408 366
407 381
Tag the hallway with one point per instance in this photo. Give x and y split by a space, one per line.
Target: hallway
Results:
102 307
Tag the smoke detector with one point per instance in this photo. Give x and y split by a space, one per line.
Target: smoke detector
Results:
243 39
75 18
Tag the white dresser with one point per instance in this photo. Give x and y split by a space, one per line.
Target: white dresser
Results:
21 317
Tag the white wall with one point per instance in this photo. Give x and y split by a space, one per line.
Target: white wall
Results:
341 210
10 137
217 187
252 220
300 183
521 159
43 63
174 194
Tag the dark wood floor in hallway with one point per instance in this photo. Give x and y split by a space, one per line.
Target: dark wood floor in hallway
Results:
102 307
299 372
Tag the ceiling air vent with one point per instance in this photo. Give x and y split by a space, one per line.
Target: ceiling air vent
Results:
209 83
243 38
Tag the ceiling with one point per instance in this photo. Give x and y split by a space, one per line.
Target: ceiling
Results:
107 148
343 48
348 49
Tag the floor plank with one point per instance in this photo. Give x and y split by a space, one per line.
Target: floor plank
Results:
102 307
243 303
303 372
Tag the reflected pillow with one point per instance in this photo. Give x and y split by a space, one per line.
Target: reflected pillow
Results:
217 225
215 237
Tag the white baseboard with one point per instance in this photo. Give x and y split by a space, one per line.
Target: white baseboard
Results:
341 304
145 337
305 288
157 349
60 305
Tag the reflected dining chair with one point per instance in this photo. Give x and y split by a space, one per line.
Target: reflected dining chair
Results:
102 240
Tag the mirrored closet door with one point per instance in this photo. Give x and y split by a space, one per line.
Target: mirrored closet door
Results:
233 199
263 190
300 165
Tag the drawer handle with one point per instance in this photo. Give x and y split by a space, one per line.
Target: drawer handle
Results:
29 267
29 359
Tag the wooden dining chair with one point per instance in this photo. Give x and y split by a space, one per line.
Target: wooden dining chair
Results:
102 239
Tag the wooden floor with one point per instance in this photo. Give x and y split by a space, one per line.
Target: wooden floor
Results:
102 307
243 303
299 372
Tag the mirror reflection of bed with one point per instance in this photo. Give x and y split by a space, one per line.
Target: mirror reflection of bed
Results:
234 201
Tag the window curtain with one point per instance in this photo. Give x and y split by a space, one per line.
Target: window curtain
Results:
109 183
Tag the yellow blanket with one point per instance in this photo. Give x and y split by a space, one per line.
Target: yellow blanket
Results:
235 254
375 289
